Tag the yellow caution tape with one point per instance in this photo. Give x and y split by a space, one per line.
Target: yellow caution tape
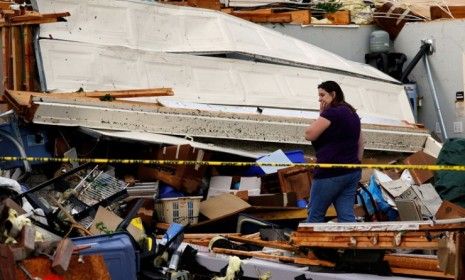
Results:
234 163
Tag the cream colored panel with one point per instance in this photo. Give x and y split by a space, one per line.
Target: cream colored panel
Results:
161 27
71 65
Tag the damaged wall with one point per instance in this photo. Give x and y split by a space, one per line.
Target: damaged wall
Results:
449 44
355 37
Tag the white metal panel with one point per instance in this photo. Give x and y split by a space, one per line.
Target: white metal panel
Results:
170 140
168 28
69 66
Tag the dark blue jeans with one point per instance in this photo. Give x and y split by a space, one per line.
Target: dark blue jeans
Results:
340 191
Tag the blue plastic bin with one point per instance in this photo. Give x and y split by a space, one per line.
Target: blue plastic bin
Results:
295 156
117 250
167 191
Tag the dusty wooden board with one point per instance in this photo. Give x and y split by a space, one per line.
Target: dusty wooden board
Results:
17 55
33 19
6 51
350 244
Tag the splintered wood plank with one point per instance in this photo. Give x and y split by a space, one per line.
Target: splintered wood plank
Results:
120 93
440 225
369 234
373 240
263 18
207 4
271 244
17 55
460 258
419 272
28 57
301 17
356 244
99 94
33 18
267 11
6 52
5 5
296 260
413 262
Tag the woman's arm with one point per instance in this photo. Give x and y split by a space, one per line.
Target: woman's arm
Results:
314 130
361 146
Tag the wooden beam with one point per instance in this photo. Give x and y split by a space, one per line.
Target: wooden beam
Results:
6 52
260 255
362 244
264 18
258 242
459 257
28 57
30 19
421 273
17 55
119 93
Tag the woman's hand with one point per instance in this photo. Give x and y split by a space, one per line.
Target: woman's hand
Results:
323 106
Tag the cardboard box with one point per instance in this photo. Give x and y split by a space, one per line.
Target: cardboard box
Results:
420 158
396 187
222 206
425 196
409 210
182 177
106 222
295 179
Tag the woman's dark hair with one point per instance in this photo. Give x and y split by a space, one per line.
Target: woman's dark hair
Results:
332 86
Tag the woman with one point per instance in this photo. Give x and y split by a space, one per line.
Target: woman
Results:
336 137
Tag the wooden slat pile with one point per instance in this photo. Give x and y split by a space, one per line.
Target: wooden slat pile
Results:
16 22
400 264
272 13
375 236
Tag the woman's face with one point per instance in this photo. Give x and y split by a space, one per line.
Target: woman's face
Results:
325 97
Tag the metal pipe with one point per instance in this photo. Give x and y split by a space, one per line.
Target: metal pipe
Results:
423 50
435 98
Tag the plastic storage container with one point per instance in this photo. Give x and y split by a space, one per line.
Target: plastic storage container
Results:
117 250
181 210
379 41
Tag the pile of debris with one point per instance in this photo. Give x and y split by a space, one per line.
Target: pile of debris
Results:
102 177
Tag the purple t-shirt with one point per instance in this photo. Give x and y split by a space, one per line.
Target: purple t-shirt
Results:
339 142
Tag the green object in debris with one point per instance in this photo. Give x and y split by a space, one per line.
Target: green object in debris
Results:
103 228
329 6
450 185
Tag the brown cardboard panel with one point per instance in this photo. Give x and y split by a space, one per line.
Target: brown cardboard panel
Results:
449 210
421 158
278 199
295 179
106 222
441 12
222 206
